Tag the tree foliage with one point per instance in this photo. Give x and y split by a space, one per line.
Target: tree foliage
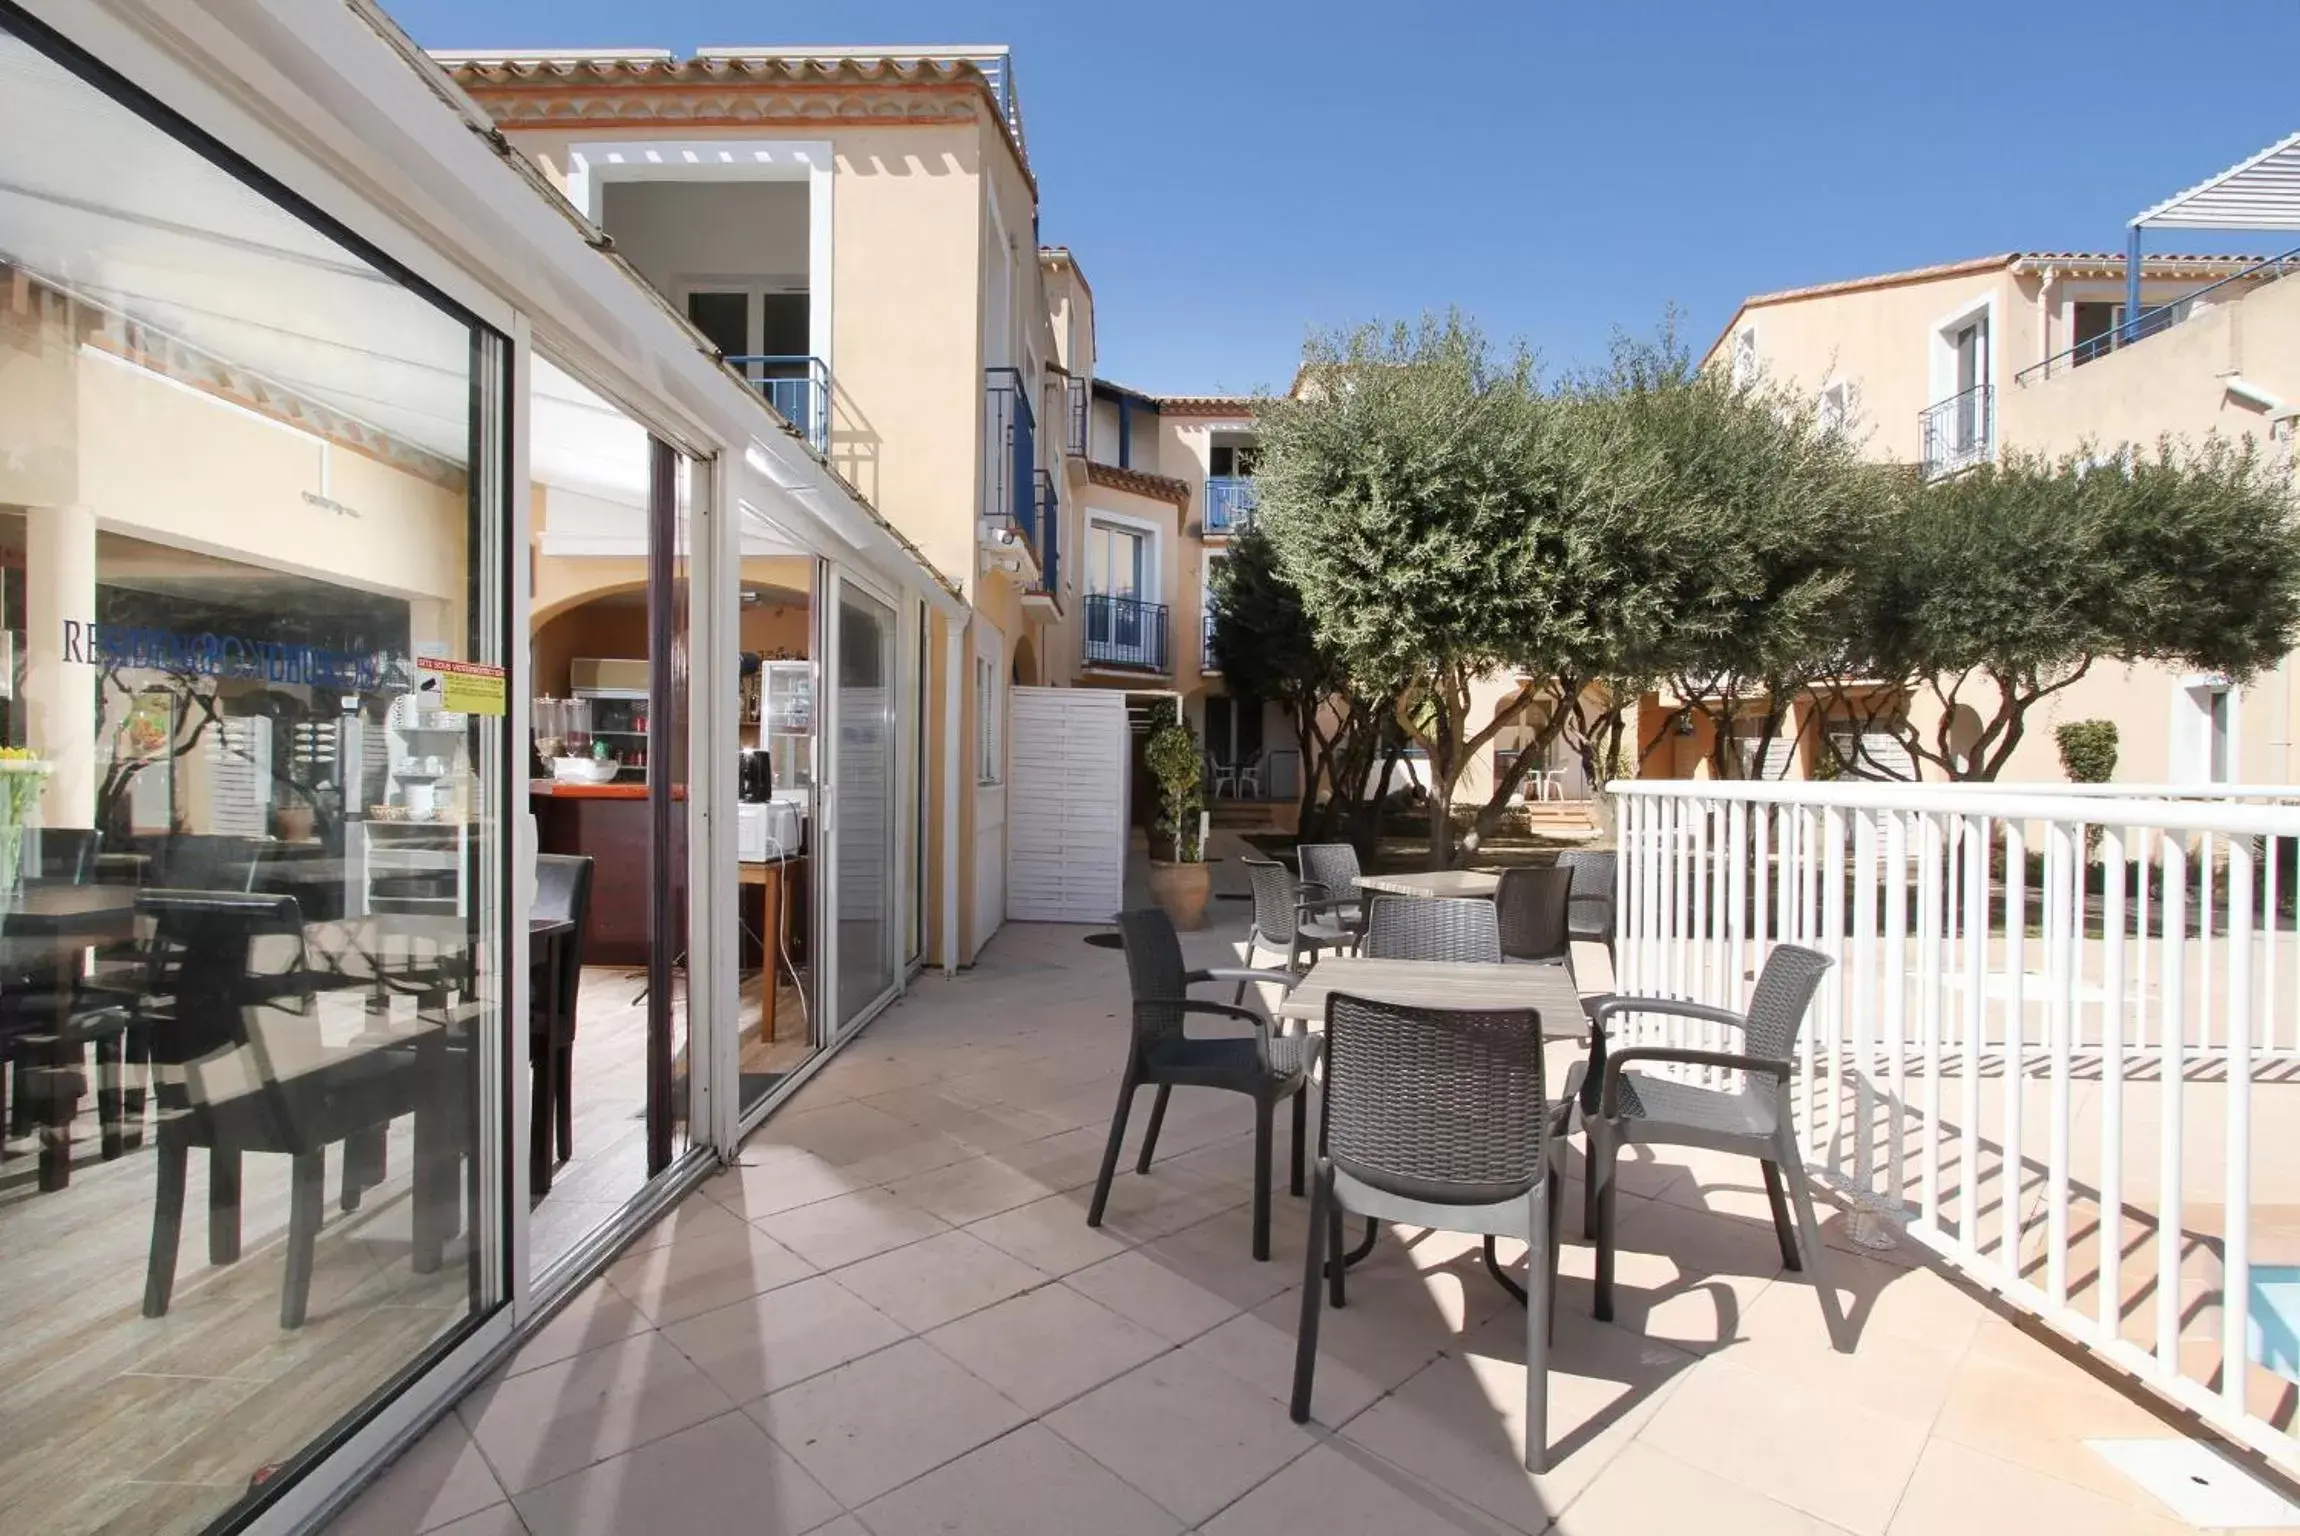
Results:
1268 650
1741 515
1988 592
1411 493
1175 760
2087 750
1431 519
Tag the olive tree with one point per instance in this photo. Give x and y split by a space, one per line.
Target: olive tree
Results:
1268 650
1735 521
1991 591
1402 489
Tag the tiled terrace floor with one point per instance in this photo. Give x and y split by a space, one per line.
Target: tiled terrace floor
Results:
892 1319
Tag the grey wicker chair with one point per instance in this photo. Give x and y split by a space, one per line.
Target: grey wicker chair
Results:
1637 1108
1532 906
1437 1118
1431 928
1335 866
1292 917
1265 1067
1589 910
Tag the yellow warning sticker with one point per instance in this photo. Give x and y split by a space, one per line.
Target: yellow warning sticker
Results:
464 687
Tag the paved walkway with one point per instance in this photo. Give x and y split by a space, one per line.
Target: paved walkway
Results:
891 1320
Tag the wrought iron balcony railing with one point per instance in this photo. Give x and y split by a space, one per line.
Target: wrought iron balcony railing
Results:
1229 503
1081 406
1046 537
1960 431
798 387
1125 632
1010 454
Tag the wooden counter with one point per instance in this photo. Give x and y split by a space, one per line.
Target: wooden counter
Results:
555 790
608 822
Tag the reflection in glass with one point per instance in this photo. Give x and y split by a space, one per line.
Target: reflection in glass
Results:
865 789
250 1174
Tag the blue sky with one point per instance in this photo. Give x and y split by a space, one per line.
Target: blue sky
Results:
1233 175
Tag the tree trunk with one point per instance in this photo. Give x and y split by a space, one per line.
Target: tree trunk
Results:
1314 763
1441 824
1365 823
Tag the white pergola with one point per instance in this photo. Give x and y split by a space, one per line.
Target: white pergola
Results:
2259 192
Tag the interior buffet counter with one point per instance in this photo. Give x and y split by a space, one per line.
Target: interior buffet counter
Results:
608 822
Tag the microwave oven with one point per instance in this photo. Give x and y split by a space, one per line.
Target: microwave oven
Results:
767 829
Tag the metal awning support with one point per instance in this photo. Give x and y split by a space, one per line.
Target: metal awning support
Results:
2261 192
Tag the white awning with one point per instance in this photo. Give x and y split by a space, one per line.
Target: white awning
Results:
2262 192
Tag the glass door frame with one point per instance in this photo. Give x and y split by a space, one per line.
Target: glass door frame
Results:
831 813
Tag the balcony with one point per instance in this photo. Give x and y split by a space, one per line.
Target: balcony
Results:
1046 537
1229 504
2162 317
799 388
1012 484
1959 432
1125 632
1081 413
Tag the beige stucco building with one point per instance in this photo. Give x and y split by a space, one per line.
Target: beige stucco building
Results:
1944 367
854 231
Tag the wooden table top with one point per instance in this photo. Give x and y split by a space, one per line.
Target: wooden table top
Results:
1548 989
70 909
1443 882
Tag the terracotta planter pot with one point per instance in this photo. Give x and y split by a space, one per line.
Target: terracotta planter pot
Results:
1182 890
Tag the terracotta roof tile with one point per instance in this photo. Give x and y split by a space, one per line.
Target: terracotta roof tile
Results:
1206 405
1139 483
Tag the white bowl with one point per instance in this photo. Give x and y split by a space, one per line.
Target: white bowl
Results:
584 770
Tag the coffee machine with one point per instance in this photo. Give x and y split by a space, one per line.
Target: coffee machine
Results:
755 784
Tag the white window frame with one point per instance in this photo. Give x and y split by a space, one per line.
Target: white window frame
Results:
1742 358
1153 565
989 738
753 289
2191 732
1942 345
1836 407
592 163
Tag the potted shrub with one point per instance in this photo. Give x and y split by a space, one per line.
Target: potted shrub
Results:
1181 882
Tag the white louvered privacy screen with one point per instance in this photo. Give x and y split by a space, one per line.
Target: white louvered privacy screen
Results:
1066 818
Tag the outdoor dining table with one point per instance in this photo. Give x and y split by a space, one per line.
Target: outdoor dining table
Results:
1442 882
1548 989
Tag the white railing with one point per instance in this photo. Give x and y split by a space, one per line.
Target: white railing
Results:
2094 991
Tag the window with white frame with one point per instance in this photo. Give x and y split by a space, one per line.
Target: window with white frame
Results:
1836 408
1117 561
988 759
1745 357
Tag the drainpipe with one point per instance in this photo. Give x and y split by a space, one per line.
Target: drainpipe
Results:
953 734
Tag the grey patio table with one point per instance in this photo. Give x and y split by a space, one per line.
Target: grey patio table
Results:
1443 882
1548 989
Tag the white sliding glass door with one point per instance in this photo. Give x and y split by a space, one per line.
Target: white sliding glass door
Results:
861 799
